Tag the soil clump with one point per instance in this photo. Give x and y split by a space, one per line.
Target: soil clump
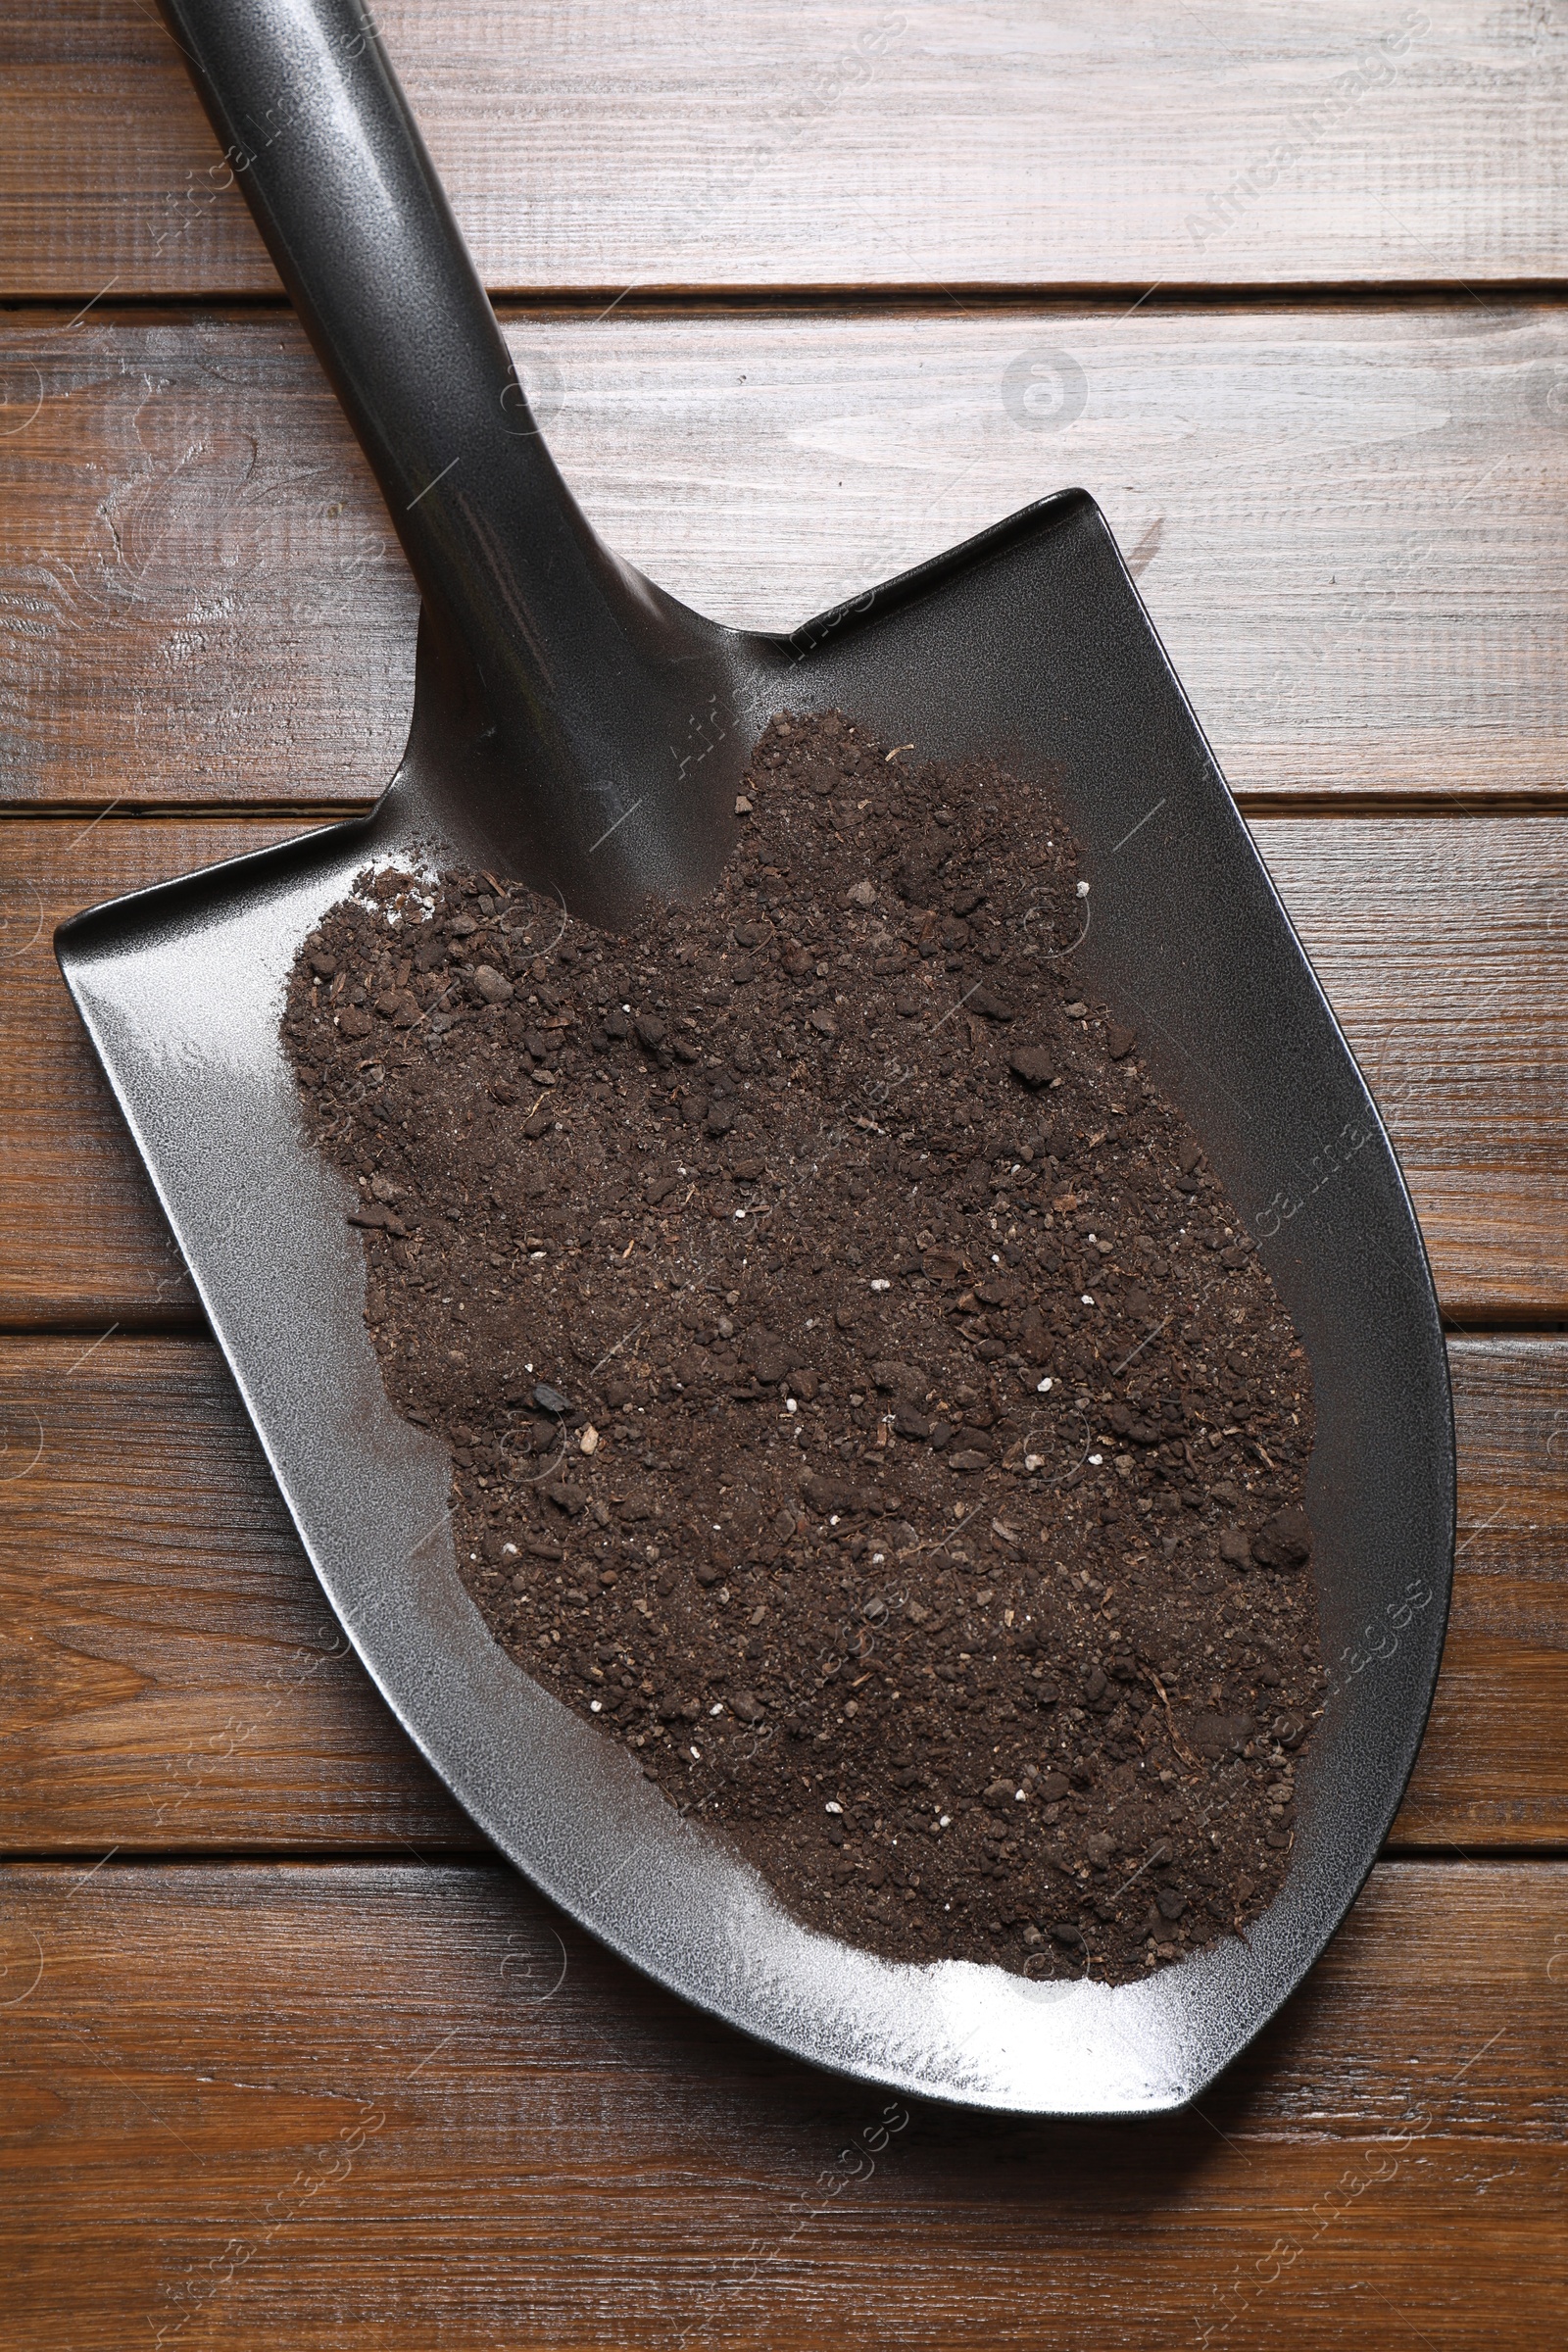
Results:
865 1400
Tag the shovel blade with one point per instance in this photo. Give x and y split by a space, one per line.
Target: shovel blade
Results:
1030 645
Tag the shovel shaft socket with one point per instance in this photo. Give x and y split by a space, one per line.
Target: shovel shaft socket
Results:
558 688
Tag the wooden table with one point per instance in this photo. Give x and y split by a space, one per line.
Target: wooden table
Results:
805 296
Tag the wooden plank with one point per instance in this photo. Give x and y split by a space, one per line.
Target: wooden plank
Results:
1442 955
82 1237
339 2107
170 1678
1438 941
927 144
1351 526
172 1675
1494 1766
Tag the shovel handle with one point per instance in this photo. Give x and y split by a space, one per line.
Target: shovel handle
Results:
557 690
318 134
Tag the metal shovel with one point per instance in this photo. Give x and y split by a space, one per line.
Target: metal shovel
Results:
575 727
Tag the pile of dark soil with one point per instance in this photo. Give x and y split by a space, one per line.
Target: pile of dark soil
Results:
863 1399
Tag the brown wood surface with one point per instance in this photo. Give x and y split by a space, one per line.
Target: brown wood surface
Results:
170 1675
82 1237
1437 939
337 2108
377 2094
1351 524
760 145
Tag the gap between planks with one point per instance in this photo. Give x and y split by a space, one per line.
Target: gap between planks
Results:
1545 801
827 297
433 1853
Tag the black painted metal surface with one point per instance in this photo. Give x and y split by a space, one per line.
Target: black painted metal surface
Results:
577 728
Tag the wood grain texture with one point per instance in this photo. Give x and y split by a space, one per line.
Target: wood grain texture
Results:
387 2102
1494 1766
82 1237
171 1678
336 2108
1437 939
1438 943
758 143
1351 526
172 1674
